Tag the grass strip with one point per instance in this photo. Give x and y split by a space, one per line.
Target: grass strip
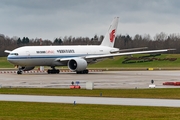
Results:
161 93
52 111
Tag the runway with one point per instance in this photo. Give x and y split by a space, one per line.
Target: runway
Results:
92 100
105 79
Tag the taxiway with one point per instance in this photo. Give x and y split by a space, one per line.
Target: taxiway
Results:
92 100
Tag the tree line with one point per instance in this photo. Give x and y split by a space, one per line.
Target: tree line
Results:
159 41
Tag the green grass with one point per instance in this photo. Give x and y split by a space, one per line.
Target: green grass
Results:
172 93
4 63
53 111
50 111
117 62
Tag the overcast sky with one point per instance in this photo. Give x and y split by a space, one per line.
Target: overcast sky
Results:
49 19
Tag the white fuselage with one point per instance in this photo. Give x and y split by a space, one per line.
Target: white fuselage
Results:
48 55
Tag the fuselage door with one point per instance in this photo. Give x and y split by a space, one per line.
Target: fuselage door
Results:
28 54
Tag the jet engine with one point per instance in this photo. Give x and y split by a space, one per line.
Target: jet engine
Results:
77 64
27 68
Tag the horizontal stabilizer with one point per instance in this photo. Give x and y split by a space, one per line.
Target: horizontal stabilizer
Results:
131 49
7 51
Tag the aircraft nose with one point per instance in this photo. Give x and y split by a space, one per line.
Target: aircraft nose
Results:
9 58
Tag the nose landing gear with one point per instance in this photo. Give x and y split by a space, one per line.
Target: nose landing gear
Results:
19 71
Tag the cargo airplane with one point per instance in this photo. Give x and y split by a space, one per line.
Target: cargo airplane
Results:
76 57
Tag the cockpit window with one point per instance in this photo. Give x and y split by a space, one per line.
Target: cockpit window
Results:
14 54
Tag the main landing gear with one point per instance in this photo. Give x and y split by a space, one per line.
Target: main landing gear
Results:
83 72
53 71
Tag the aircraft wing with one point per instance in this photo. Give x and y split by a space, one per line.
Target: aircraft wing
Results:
113 55
125 53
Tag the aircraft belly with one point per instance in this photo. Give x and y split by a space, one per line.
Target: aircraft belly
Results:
37 62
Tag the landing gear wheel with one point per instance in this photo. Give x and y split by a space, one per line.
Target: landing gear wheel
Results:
86 71
19 72
82 72
53 71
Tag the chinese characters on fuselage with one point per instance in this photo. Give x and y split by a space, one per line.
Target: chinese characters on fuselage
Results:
58 51
66 51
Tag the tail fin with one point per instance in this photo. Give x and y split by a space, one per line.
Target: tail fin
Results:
111 34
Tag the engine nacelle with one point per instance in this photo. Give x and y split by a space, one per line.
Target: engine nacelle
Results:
77 64
27 68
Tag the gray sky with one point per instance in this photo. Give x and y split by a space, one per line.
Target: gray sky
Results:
48 19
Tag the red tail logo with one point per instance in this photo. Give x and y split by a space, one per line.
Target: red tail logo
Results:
112 35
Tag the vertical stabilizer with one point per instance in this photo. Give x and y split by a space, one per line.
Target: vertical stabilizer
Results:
111 34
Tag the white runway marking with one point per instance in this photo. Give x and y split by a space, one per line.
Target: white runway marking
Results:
92 100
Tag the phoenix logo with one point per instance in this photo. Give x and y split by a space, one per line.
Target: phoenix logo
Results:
112 35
